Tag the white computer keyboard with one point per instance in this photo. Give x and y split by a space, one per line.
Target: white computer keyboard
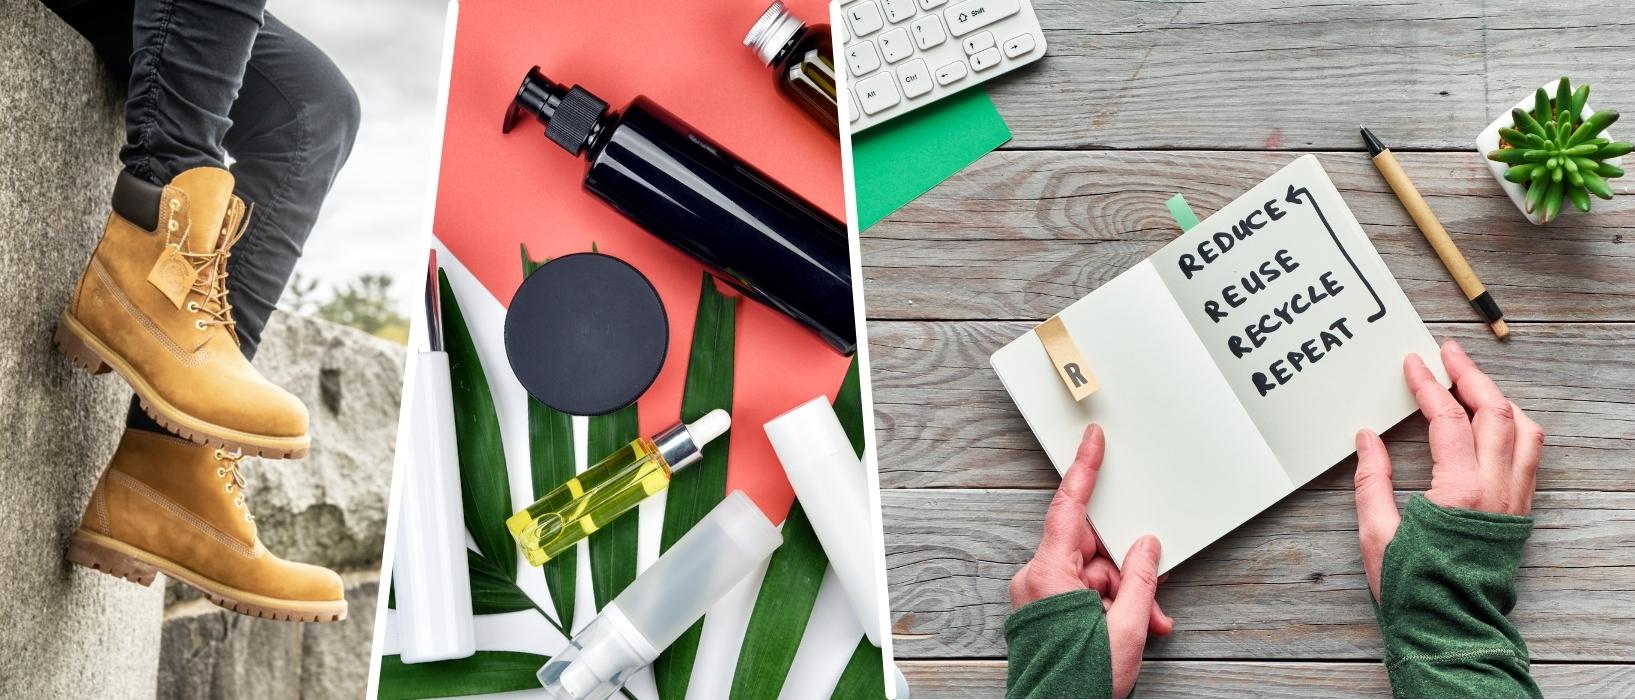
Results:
905 54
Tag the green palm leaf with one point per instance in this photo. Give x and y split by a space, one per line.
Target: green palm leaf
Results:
483 672
485 490
864 677
613 548
698 488
550 454
784 604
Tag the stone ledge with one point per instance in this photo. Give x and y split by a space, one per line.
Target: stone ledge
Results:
208 652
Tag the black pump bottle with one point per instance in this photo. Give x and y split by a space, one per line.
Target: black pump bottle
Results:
691 192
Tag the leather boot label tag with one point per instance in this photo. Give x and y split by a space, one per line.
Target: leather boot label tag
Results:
172 275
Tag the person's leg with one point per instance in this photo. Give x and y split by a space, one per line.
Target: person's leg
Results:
293 127
149 313
187 66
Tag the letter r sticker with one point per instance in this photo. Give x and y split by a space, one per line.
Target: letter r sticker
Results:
1064 354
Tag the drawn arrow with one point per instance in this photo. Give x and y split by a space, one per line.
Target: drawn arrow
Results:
1301 195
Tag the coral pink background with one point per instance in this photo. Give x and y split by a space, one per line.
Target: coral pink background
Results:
496 191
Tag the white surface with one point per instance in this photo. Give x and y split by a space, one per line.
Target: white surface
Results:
828 480
1488 141
433 582
912 54
1193 450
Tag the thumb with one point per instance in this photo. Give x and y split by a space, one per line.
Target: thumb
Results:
1128 616
1377 516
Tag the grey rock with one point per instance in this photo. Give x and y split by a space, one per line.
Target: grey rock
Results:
67 632
212 653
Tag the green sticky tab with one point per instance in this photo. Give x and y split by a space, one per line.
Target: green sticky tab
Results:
901 159
1179 209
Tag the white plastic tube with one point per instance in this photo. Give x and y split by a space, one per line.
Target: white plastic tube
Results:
430 572
655 609
833 490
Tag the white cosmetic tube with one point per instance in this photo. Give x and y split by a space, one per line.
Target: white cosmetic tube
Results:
655 609
430 572
829 481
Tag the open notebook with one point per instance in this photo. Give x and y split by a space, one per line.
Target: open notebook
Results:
1234 365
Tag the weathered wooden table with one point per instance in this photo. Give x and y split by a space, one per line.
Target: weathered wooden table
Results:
1139 100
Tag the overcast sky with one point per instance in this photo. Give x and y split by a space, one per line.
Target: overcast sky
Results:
390 50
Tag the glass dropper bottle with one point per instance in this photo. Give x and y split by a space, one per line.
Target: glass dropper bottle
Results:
802 61
611 487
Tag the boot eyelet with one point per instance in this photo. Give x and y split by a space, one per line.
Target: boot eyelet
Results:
175 204
199 324
194 307
172 225
229 488
239 502
220 472
220 454
248 519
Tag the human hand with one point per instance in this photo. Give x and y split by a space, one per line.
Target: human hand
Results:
1071 558
1484 460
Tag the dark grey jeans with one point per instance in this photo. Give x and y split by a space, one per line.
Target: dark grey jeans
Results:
212 79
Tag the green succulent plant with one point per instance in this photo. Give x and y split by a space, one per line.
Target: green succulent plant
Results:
1559 155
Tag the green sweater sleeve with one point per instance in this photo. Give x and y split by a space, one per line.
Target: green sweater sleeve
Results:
1059 648
1448 580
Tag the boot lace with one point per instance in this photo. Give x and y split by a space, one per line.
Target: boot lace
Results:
228 466
211 280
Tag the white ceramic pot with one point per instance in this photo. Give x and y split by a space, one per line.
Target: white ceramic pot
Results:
1488 141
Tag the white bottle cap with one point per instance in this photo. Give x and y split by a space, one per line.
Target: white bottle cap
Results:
771 32
806 432
709 427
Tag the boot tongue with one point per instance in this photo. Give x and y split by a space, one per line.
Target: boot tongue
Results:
209 192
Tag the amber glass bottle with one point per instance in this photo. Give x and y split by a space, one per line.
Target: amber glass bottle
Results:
802 59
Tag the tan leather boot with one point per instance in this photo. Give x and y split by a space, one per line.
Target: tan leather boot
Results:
152 304
168 505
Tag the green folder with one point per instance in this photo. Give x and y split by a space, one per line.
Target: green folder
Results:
901 159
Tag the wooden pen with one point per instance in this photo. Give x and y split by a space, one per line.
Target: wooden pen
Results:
1457 265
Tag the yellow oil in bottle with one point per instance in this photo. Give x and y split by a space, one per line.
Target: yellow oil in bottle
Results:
570 512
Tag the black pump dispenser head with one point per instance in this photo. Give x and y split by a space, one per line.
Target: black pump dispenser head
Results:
570 115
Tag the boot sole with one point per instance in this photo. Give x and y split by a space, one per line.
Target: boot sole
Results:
110 556
91 354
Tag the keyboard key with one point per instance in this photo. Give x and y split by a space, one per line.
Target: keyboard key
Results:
899 10
951 72
915 78
971 15
851 105
985 59
931 4
894 45
928 32
1018 45
877 92
864 18
978 42
862 58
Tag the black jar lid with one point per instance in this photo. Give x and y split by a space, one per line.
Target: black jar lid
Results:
586 334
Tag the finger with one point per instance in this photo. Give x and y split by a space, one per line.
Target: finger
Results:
1377 517
1493 422
1102 575
1064 522
1137 587
1453 448
1529 447
1161 624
